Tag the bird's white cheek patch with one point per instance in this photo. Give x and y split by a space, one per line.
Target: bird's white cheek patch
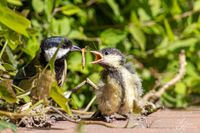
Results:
112 59
50 53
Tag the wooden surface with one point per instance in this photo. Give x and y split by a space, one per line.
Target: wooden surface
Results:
162 121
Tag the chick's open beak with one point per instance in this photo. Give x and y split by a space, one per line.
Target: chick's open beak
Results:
75 48
98 57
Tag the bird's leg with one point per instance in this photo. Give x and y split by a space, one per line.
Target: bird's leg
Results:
96 115
90 103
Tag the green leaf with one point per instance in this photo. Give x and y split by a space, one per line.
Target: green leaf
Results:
138 35
59 98
143 15
11 57
8 67
38 5
32 47
48 6
5 125
155 6
134 18
15 2
75 34
13 39
180 88
197 5
175 7
3 3
57 3
60 26
113 4
2 68
76 102
175 45
6 91
13 20
112 36
169 31
70 9
74 62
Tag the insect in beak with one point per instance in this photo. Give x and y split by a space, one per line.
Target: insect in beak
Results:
83 57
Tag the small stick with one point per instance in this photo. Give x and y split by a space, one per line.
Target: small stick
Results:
87 122
109 125
87 81
13 115
178 77
82 112
93 85
64 116
90 103
84 121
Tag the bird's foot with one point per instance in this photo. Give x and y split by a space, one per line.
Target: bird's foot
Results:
99 116
108 119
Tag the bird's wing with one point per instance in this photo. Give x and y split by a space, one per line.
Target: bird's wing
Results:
129 67
136 78
25 72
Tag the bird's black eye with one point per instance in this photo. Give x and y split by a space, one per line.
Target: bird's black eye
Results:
106 53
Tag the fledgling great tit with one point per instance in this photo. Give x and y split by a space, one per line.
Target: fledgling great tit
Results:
39 80
121 87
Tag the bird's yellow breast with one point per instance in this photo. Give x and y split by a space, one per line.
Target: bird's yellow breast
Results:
116 96
109 97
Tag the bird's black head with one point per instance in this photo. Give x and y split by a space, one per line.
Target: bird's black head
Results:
109 57
50 45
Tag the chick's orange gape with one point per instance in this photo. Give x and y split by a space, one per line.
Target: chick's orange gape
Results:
83 57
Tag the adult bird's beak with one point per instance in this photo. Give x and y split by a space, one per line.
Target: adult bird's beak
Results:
75 48
98 57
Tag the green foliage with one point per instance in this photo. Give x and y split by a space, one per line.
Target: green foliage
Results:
13 20
6 92
4 125
112 36
57 95
153 31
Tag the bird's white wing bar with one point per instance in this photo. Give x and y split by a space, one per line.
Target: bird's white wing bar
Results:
50 52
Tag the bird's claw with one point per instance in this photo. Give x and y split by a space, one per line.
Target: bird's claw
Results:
108 119
99 116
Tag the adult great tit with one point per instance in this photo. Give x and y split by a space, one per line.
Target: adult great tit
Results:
36 76
121 87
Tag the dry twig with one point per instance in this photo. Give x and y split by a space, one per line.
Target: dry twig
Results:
87 122
178 77
81 112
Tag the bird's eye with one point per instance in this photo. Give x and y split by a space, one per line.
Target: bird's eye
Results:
106 53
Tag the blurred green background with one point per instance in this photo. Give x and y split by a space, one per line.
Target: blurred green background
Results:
150 33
